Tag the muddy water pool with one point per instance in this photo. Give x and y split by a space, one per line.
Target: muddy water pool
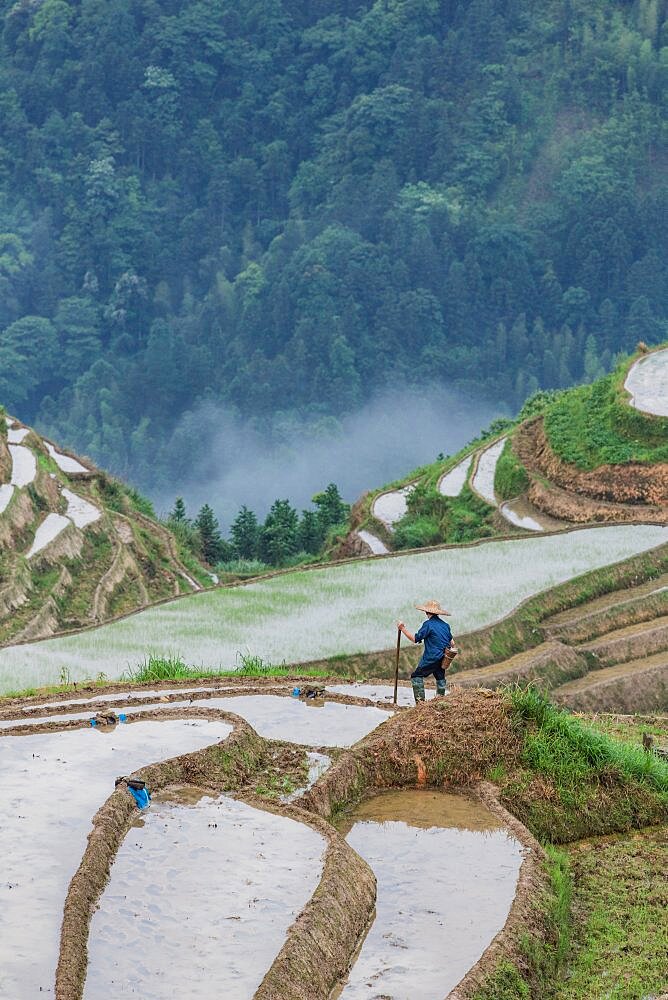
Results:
200 900
447 872
52 785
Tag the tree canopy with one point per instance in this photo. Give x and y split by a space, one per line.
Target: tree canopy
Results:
283 206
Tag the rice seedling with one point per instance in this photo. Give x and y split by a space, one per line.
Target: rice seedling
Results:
161 668
313 614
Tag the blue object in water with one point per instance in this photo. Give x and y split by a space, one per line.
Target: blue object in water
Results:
122 717
296 692
93 722
141 796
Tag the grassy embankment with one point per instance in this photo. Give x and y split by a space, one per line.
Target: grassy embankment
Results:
594 425
510 478
158 669
605 905
619 935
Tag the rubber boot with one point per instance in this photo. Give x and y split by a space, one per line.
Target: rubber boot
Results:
440 689
418 688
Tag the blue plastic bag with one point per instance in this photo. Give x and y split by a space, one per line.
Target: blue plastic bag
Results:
141 796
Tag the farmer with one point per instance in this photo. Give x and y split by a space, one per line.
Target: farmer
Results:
439 646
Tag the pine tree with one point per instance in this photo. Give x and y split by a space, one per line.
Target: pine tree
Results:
245 532
178 514
310 535
278 537
211 542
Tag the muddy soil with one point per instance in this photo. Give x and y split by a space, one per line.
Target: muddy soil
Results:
614 610
564 505
631 483
548 665
630 643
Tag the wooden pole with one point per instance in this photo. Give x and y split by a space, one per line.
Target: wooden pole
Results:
396 669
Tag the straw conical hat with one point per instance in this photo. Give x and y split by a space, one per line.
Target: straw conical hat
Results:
432 608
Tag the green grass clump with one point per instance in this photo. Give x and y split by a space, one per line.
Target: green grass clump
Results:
140 503
565 749
510 477
162 668
417 531
173 667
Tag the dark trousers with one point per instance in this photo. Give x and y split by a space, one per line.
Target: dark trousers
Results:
431 668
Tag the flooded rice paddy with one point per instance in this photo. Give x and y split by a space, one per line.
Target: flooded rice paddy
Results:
351 608
48 530
64 462
391 507
447 873
311 723
204 889
483 477
514 514
24 465
452 483
200 900
647 381
377 547
53 783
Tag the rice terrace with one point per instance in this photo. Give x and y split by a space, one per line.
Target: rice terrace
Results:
216 789
333 500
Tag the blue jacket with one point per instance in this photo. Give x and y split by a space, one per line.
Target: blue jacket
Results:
436 635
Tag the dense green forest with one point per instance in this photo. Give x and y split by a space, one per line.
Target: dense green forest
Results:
283 206
284 539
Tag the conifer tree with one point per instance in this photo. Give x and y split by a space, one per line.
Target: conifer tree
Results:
211 542
245 532
178 513
278 538
310 535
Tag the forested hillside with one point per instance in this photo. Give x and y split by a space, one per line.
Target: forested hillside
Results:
285 205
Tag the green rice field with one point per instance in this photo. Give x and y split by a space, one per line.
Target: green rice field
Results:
348 608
